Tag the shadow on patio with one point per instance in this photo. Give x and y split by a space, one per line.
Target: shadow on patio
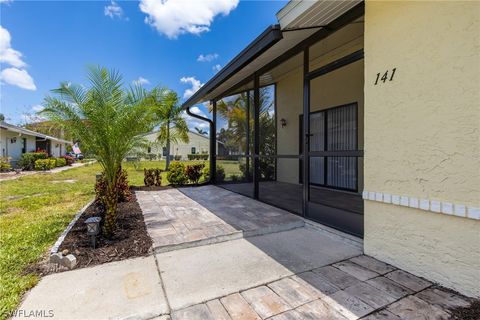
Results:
264 262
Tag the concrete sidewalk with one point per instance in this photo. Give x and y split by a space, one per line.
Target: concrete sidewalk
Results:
263 264
298 274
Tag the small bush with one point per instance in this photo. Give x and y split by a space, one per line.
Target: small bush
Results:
28 159
194 172
176 173
5 164
219 174
61 162
203 156
45 164
152 177
122 189
177 157
70 160
235 178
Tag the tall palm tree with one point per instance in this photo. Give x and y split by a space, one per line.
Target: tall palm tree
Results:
107 119
173 127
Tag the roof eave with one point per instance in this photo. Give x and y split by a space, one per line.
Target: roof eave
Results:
263 42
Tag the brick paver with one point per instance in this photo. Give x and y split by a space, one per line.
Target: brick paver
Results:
177 218
330 293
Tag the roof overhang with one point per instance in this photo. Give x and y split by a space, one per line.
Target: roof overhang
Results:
302 23
27 132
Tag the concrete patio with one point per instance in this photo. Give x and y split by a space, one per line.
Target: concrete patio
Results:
238 259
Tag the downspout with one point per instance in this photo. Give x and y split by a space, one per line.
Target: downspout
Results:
212 139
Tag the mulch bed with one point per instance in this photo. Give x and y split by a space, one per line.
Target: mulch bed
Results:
129 240
471 312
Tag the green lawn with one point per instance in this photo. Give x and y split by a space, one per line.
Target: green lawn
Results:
34 210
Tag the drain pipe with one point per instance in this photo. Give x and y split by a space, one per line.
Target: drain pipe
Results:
213 139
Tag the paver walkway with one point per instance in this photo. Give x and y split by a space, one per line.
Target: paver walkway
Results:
302 273
181 218
357 288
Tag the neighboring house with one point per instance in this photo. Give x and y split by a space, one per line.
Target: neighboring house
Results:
377 117
198 144
14 141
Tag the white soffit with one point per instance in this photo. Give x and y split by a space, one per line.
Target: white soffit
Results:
308 13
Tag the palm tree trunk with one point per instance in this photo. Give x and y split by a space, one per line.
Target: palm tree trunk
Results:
111 199
168 146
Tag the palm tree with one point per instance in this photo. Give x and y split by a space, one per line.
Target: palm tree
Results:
173 127
107 119
200 131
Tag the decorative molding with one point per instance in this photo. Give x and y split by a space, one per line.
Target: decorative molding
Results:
449 208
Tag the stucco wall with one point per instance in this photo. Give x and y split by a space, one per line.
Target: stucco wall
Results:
201 144
14 150
422 136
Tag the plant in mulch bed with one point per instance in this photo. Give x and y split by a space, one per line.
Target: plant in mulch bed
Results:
122 189
194 172
152 177
220 173
176 173
45 164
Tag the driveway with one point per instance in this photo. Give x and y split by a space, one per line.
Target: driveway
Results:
264 263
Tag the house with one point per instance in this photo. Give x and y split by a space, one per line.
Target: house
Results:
198 144
365 117
14 141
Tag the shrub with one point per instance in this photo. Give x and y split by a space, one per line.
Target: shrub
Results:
5 164
203 156
235 178
152 177
45 164
70 160
194 172
176 173
28 159
122 189
177 157
220 173
61 162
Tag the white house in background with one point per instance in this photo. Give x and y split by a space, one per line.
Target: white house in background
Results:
14 141
198 144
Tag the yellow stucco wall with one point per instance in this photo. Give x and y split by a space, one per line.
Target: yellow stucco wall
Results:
422 136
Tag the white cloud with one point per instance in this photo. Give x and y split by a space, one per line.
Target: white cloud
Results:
216 68
141 81
37 108
113 10
175 17
196 84
196 110
7 53
208 57
17 77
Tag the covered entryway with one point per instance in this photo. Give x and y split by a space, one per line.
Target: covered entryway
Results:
289 111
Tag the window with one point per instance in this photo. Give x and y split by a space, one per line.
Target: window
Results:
149 149
194 150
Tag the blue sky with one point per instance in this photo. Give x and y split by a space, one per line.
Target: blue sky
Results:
178 44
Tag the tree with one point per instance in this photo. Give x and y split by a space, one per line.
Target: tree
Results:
2 117
108 119
173 127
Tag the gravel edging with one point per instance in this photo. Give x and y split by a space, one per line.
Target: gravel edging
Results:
60 239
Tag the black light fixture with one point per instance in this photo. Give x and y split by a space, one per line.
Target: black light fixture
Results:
283 122
93 228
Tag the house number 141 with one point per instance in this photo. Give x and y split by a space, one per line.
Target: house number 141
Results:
385 76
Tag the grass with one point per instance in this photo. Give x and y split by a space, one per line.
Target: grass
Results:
35 209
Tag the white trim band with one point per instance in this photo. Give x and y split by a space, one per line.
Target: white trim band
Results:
454 209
